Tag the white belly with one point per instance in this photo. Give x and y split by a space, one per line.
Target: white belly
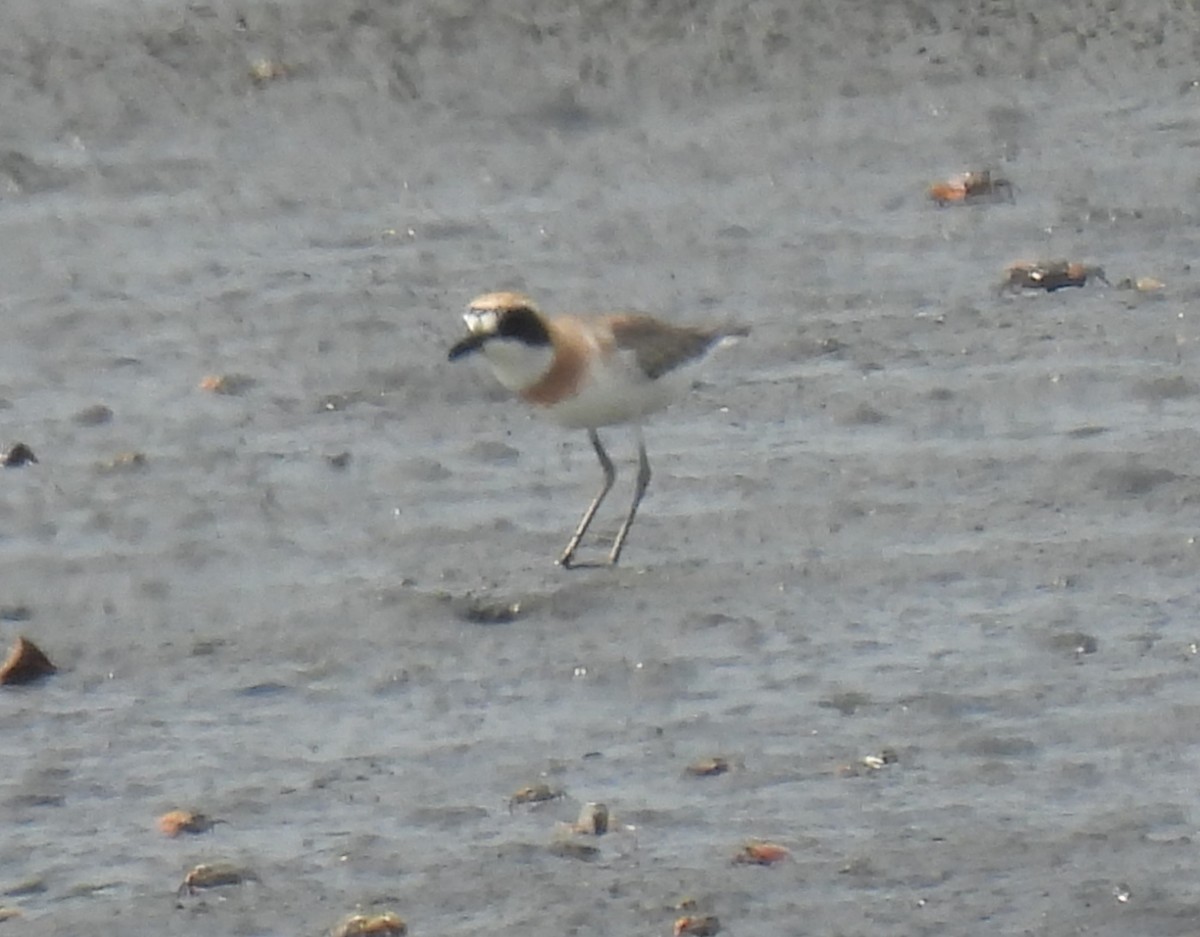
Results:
614 391
615 395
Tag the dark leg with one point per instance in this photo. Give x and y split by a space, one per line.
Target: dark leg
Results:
610 475
643 480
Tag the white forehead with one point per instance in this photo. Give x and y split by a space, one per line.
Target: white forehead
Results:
481 321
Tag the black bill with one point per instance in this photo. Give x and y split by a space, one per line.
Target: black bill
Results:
467 345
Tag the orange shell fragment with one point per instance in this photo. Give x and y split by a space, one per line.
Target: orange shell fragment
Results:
944 193
228 384
759 853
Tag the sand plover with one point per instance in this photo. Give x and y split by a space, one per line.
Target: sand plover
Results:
585 372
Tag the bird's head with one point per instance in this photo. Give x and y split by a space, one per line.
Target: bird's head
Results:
504 316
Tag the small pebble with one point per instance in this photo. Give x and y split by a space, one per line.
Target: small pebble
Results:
264 70
124 462
16 455
96 415
593 820
572 849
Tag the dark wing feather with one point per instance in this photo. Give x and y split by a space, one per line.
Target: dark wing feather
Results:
659 347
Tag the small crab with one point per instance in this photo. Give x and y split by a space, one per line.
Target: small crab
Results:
175 822
704 926
367 925
976 186
534 794
708 767
757 852
1049 275
214 876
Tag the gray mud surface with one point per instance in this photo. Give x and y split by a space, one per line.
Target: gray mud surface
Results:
910 512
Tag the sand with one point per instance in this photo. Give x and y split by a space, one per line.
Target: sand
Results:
911 512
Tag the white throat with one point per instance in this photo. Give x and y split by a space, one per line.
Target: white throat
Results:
516 364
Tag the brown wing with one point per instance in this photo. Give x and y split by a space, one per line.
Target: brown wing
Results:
659 347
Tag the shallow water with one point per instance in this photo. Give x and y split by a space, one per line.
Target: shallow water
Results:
909 512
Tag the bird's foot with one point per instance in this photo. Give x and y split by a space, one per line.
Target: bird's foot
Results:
568 561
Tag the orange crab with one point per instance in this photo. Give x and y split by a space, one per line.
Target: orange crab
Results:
185 821
975 186
757 852
704 926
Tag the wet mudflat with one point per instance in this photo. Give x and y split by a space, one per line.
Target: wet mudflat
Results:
917 562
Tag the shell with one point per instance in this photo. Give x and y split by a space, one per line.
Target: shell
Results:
25 663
